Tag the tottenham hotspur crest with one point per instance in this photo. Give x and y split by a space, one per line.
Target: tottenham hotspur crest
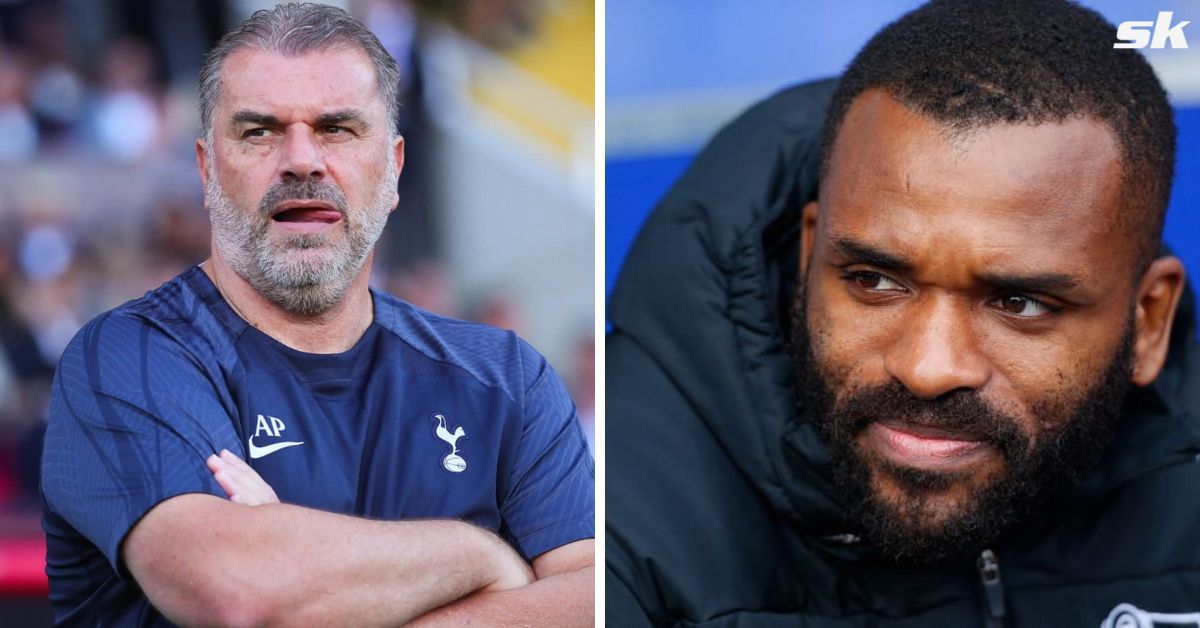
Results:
453 462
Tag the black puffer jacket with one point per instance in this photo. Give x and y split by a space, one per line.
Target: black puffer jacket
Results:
720 506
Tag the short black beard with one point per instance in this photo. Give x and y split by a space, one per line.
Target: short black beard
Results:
1035 473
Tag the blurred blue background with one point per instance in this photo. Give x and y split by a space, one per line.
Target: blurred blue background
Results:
677 71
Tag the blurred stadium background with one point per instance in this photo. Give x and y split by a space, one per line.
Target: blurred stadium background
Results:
100 200
677 71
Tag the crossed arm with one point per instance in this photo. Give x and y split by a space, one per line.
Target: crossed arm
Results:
252 560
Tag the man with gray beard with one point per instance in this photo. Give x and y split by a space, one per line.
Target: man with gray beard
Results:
265 439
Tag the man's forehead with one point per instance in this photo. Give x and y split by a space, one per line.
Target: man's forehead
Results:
316 82
1021 191
895 141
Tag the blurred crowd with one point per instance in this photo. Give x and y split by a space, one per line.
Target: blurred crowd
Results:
100 201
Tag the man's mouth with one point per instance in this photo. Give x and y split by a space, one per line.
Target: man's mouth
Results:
913 445
306 215
306 211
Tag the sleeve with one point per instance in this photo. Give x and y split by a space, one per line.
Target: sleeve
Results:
552 485
132 420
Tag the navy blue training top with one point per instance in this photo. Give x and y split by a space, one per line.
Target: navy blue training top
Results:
425 417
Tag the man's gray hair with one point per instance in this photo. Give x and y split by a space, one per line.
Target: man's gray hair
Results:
295 29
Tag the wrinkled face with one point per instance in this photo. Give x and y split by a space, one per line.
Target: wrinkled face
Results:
300 173
965 327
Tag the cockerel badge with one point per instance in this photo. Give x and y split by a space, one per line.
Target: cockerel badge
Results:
453 462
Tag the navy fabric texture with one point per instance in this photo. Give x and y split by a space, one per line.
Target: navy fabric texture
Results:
425 417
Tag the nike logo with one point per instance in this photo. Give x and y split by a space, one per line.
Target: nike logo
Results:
259 452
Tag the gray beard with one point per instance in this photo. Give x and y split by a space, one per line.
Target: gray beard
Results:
305 274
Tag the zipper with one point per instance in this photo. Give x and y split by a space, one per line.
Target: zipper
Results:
993 589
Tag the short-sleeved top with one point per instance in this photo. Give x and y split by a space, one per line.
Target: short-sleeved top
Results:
425 417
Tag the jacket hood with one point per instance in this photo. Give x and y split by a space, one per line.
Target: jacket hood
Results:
705 291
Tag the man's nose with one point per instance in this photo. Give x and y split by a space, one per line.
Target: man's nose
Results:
936 351
302 156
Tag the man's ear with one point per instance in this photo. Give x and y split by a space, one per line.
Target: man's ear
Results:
398 148
808 235
202 161
1158 295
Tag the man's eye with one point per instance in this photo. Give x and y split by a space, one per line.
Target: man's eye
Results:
1022 306
873 281
336 130
259 132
